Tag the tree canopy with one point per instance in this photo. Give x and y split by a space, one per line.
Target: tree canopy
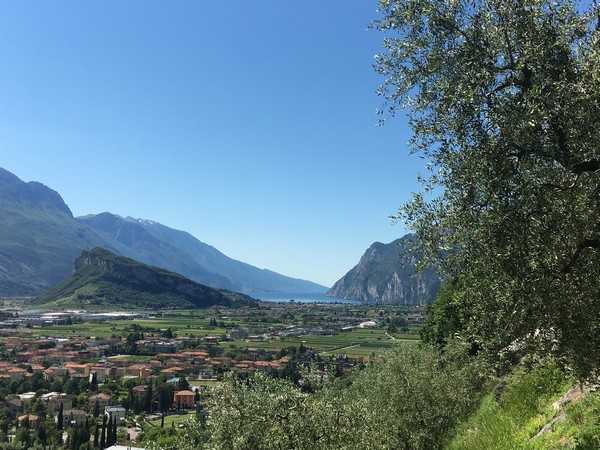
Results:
504 100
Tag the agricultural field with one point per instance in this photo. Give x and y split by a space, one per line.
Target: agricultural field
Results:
326 329
357 342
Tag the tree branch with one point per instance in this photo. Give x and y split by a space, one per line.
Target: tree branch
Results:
592 165
583 245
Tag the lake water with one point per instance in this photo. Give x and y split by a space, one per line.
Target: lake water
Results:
302 298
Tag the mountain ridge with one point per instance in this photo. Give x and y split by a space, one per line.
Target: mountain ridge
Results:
104 280
40 239
387 274
241 276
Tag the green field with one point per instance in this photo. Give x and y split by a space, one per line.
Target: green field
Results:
358 342
176 419
182 326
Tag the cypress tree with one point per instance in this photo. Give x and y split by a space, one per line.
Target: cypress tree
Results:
60 418
96 437
94 382
114 430
109 432
103 435
148 400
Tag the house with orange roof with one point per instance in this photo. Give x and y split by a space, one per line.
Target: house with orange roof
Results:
139 370
172 370
185 399
16 373
53 372
75 369
30 419
103 399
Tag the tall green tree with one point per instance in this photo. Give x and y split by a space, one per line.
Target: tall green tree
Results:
444 317
148 396
114 430
60 417
96 435
94 382
504 100
103 433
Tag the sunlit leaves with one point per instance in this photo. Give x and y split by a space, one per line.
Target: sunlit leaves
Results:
504 100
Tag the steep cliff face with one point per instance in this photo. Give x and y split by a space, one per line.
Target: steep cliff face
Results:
103 279
387 273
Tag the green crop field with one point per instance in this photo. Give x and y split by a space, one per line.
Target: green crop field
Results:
358 342
191 326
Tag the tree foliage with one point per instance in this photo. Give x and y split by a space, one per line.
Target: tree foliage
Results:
444 319
412 400
504 99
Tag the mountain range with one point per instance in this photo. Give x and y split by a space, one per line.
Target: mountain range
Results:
40 240
103 279
387 273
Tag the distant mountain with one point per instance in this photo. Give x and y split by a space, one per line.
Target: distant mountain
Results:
105 280
130 238
40 240
179 251
387 273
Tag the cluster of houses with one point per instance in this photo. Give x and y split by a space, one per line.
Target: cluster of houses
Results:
86 359
83 358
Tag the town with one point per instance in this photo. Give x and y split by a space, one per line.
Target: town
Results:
114 378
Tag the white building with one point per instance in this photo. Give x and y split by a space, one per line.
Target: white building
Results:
115 412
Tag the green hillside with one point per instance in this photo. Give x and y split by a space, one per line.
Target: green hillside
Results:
533 410
105 280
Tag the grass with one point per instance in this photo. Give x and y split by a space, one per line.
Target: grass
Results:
358 342
182 326
524 408
175 419
580 429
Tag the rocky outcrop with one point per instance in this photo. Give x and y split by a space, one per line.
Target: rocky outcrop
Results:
176 250
387 273
103 279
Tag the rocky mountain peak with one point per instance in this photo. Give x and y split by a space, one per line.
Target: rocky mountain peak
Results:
387 273
19 194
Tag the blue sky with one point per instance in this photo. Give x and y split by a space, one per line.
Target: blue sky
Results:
250 124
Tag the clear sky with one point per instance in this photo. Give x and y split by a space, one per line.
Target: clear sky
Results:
250 124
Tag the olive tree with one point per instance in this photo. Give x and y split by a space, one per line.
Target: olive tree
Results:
504 100
411 399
